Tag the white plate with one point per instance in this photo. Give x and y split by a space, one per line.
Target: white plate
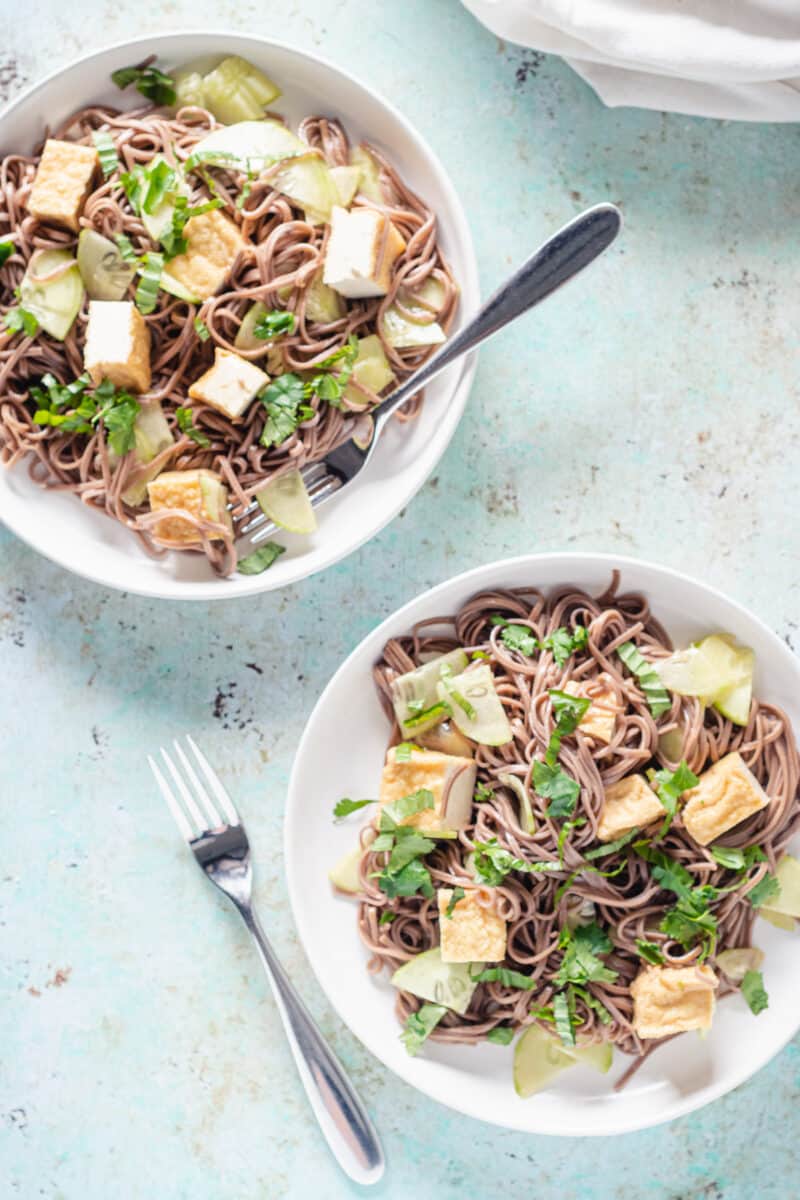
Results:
87 542
341 754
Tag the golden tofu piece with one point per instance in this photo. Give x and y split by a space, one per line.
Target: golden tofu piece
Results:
626 804
726 794
669 1000
448 777
598 720
62 183
214 244
200 493
230 384
474 932
117 345
362 250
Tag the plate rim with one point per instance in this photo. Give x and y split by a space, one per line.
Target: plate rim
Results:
460 376
458 1102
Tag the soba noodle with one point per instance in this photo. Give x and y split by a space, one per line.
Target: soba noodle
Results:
284 255
630 904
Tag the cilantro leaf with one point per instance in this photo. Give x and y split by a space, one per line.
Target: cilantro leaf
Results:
611 847
592 1002
483 793
670 787
185 419
273 324
766 889
492 862
650 952
568 710
565 642
519 638
458 894
173 240
409 880
344 807
19 318
386 918
260 559
581 963
501 1035
735 859
153 84
7 248
119 418
754 991
283 400
420 1025
505 976
553 784
691 921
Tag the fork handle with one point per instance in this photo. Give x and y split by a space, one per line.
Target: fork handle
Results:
342 1117
563 255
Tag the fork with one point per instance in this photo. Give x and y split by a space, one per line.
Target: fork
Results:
220 845
576 245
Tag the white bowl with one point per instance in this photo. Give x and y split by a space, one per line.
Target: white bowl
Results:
341 754
90 544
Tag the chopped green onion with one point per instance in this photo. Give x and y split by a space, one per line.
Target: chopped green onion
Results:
261 559
185 419
19 319
201 329
754 992
420 1025
153 84
272 324
656 695
126 247
106 152
150 277
458 894
6 250
501 1035
650 951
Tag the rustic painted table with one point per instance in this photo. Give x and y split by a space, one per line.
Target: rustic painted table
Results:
651 408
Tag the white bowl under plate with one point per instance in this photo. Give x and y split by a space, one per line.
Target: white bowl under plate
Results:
341 754
90 544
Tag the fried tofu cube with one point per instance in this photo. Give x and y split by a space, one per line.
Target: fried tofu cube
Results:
598 720
200 493
626 804
230 384
117 345
363 247
448 777
669 1000
214 244
726 794
473 932
63 180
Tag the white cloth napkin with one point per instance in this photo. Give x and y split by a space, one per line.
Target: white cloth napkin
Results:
712 58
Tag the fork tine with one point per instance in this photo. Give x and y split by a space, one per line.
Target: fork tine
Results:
199 790
175 808
188 799
225 802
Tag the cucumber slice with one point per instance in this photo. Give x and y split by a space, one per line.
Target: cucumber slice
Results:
189 88
670 744
371 369
426 301
52 289
402 334
323 304
249 145
476 707
777 919
344 876
787 903
418 688
307 181
526 818
713 665
245 338
105 273
285 501
215 499
238 91
369 184
736 963
539 1058
346 180
152 434
175 288
734 703
447 740
428 977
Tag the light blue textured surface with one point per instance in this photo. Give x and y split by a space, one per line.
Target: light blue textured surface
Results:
651 408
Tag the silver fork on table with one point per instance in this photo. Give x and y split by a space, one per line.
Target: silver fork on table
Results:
218 841
561 257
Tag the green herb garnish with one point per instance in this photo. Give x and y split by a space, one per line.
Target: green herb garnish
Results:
201 329
519 638
670 787
737 860
185 419
19 318
149 281
343 808
71 408
506 977
284 401
260 559
125 247
273 324
766 889
656 695
754 991
386 918
564 1017
6 250
420 1025
458 894
581 963
483 793
173 239
153 84
106 152
493 862
611 847
562 643
501 1035
650 952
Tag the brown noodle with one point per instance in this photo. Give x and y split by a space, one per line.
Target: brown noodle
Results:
285 253
629 905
